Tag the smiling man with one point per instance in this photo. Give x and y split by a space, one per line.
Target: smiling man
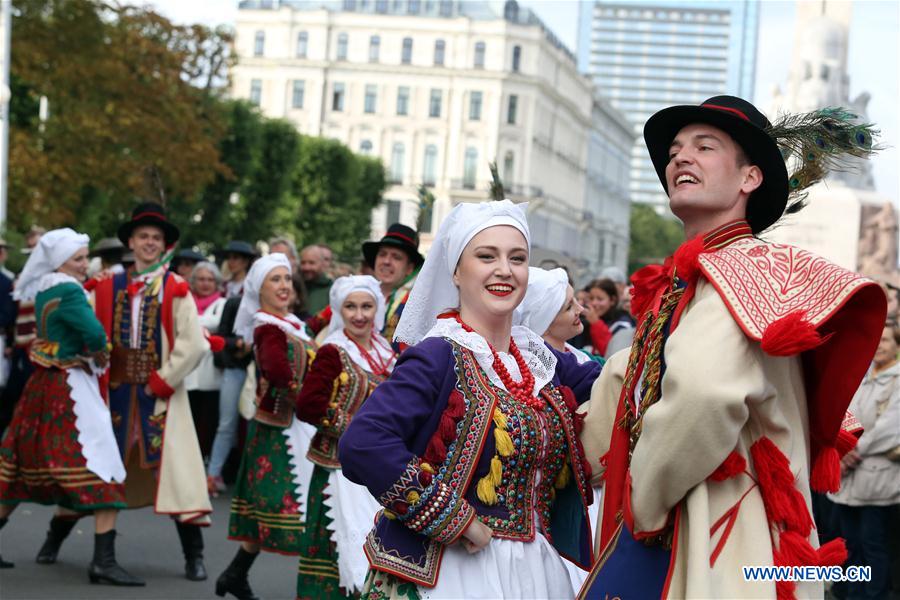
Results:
730 405
394 260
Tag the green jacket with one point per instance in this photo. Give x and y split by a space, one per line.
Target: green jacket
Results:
317 293
66 327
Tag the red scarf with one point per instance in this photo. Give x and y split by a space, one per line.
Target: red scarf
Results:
204 302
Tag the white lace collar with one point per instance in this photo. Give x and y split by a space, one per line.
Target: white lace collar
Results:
49 280
289 324
540 360
379 345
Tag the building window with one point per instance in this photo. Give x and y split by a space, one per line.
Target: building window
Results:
470 166
381 6
475 106
365 147
439 47
393 213
342 46
479 55
350 5
259 43
337 97
508 164
426 218
406 57
302 44
371 93
434 106
512 109
256 92
374 48
398 156
413 7
402 101
446 8
428 169
517 58
298 92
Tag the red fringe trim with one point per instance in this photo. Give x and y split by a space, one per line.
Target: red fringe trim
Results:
733 465
784 590
826 473
436 451
845 442
832 554
794 550
784 503
791 335
686 258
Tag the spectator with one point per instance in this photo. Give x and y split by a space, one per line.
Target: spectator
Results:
203 382
611 329
318 284
239 255
184 262
32 238
395 260
870 482
328 257
618 277
109 252
288 248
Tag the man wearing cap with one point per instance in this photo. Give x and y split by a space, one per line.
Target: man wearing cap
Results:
394 260
730 405
184 262
109 251
151 321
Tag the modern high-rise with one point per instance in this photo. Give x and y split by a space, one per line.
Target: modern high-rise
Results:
438 90
644 56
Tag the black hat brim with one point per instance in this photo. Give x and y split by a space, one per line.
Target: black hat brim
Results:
370 251
170 232
767 203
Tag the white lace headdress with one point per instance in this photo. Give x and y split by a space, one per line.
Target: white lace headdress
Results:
544 299
434 291
243 322
52 251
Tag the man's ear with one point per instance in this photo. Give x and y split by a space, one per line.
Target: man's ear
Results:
753 178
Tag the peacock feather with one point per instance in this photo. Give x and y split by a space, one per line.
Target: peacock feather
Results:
816 143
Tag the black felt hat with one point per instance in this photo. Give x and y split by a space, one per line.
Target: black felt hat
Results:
149 213
747 126
238 247
398 236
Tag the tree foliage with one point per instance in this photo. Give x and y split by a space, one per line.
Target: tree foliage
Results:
653 237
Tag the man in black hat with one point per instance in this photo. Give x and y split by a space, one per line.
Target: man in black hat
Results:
152 324
709 454
184 262
109 251
394 260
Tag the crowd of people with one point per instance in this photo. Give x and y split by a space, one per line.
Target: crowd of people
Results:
510 435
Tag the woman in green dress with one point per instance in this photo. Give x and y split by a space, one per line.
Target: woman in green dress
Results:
59 448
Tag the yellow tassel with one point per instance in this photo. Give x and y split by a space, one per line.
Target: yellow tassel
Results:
427 468
412 497
504 442
334 388
311 354
344 377
499 419
564 477
496 470
486 492
390 515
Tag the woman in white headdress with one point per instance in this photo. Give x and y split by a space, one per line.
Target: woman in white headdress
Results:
267 506
471 445
351 362
60 448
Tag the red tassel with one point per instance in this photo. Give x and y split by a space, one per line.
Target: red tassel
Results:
686 258
832 554
447 428
826 473
456 405
794 550
845 442
181 288
798 519
791 335
734 464
774 474
436 451
784 590
647 283
216 342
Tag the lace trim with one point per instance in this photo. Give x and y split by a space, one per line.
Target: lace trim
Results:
379 344
284 323
49 280
538 357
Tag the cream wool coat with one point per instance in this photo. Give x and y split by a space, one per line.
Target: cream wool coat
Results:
720 393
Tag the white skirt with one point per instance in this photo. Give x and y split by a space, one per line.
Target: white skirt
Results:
94 425
352 510
503 569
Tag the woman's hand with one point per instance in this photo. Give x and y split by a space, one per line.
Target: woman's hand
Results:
476 536
850 461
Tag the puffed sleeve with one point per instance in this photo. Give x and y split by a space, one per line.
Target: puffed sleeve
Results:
271 355
376 449
318 385
77 314
578 377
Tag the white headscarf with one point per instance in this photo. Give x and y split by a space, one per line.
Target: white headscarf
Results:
243 323
343 287
545 297
52 251
434 291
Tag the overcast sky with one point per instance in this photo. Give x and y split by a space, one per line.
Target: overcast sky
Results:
873 56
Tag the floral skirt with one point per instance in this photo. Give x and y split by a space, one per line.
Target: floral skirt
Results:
318 576
41 459
264 509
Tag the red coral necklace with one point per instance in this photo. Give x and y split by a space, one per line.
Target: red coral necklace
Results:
378 365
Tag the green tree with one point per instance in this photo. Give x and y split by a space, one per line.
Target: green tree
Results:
653 237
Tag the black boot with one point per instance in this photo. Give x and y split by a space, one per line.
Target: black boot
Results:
60 528
234 579
4 564
104 566
192 544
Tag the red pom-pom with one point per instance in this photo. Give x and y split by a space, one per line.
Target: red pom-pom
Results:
181 288
734 464
647 283
686 256
794 550
832 554
791 335
826 473
216 342
425 478
90 284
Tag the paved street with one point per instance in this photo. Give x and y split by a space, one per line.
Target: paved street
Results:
147 546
